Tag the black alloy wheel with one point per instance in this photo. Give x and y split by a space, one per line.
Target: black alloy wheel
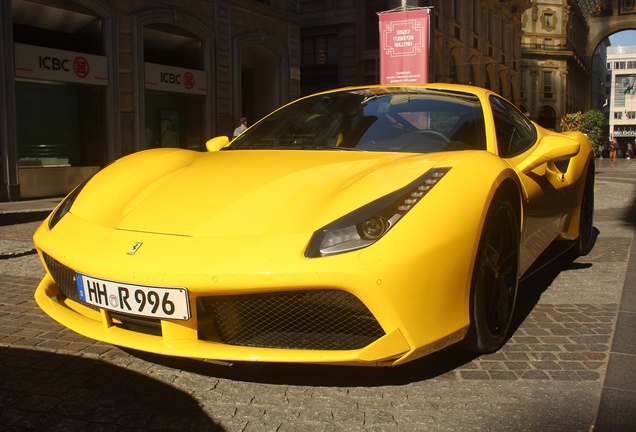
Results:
585 242
495 280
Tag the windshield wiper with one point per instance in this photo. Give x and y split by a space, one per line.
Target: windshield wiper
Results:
295 147
315 147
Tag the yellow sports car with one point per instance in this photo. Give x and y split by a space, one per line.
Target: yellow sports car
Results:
367 226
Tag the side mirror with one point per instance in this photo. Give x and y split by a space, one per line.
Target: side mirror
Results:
217 143
551 148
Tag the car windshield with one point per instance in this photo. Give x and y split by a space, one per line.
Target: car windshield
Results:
380 119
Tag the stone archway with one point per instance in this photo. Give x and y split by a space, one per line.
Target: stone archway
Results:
607 18
263 68
547 117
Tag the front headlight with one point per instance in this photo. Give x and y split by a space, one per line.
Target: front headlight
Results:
366 225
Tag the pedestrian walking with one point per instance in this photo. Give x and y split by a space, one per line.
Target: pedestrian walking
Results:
613 151
242 127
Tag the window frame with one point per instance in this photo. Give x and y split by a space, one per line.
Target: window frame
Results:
504 116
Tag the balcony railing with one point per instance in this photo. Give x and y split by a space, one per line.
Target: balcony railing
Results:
546 47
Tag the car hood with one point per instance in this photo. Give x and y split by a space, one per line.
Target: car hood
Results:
242 192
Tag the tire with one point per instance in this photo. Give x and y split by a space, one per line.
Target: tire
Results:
495 280
585 242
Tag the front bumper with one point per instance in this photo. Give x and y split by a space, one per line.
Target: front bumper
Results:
375 307
198 337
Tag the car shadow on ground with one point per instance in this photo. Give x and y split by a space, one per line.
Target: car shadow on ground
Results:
429 367
316 375
42 390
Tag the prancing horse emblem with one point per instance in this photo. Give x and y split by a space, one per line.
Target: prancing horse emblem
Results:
134 248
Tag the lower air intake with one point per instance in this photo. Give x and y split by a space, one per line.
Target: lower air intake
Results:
311 320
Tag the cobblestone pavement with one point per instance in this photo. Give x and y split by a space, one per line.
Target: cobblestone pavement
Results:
548 377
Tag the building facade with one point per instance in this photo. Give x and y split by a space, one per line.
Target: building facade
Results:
83 82
474 41
555 79
621 62
599 82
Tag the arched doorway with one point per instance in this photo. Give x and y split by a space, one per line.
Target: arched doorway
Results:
262 76
260 85
63 84
547 117
175 87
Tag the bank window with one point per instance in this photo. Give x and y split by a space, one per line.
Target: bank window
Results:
59 125
59 121
547 84
618 115
173 106
631 115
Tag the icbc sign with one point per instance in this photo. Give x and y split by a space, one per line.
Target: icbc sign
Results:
53 63
80 65
58 65
170 78
174 79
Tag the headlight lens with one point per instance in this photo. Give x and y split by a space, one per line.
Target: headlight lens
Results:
374 227
66 204
369 223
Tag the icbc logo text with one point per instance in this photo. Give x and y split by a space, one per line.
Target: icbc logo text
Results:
170 78
80 65
53 63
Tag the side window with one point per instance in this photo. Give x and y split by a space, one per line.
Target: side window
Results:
515 133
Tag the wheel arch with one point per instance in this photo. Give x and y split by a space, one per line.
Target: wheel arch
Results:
510 189
588 173
507 191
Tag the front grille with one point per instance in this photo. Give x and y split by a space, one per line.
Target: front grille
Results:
312 320
150 326
65 279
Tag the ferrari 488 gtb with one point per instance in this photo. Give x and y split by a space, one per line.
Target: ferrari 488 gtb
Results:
369 225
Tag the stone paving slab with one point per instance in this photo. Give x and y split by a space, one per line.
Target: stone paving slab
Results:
549 376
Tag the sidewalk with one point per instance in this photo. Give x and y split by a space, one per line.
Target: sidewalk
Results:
618 399
29 206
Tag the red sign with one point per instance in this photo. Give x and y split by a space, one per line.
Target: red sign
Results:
404 46
174 79
188 80
42 63
81 67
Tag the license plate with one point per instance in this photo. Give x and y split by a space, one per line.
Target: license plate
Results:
146 301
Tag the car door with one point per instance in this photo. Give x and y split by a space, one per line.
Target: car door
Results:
545 187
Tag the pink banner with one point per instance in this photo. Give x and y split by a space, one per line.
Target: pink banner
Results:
404 47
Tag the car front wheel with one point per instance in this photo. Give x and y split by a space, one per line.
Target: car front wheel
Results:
495 280
585 242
